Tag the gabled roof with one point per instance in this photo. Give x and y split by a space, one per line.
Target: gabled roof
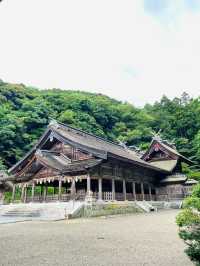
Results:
169 148
97 146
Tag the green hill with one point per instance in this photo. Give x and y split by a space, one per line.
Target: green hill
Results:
25 112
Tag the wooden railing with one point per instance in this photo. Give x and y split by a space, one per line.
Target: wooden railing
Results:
129 196
80 195
119 196
147 197
65 197
139 197
169 197
106 196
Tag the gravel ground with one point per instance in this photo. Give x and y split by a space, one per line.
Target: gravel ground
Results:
140 239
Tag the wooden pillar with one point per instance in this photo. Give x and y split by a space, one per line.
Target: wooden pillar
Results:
33 192
13 193
88 183
45 193
142 191
100 189
22 194
124 188
150 195
113 188
134 193
25 194
73 189
60 189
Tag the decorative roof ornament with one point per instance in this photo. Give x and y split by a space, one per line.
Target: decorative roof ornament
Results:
53 123
38 152
156 135
51 137
122 144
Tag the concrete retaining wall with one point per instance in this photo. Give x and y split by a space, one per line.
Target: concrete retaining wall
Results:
104 209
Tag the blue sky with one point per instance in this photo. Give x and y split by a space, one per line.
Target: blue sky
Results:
132 50
162 7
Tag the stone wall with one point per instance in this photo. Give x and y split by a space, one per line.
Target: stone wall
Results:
104 209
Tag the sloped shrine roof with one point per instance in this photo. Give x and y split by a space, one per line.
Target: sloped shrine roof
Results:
102 147
191 182
55 160
97 146
174 178
167 165
61 163
169 148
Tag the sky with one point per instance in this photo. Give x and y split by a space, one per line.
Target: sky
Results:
131 50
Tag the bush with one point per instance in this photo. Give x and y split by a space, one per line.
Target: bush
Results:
189 225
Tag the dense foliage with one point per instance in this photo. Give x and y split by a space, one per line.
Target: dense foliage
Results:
189 223
25 112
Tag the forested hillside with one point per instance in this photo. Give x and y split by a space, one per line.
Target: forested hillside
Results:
25 112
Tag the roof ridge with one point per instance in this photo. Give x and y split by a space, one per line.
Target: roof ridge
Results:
93 135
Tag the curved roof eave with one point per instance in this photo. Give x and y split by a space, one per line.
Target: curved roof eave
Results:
32 151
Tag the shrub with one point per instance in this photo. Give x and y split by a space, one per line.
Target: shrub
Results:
189 225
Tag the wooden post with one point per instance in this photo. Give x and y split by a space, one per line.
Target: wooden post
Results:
22 194
88 184
150 195
45 193
60 189
113 188
33 192
100 189
73 189
13 193
142 191
134 193
25 194
124 188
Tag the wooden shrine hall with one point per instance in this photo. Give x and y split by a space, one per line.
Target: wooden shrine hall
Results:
68 163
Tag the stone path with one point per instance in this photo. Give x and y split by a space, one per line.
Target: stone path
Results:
140 240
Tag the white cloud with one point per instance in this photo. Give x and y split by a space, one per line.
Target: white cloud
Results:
113 47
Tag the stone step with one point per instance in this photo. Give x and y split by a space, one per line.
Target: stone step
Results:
146 206
37 211
21 215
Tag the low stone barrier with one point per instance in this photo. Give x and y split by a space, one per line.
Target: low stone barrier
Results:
104 209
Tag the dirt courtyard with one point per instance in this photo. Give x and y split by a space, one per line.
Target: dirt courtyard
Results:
140 239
